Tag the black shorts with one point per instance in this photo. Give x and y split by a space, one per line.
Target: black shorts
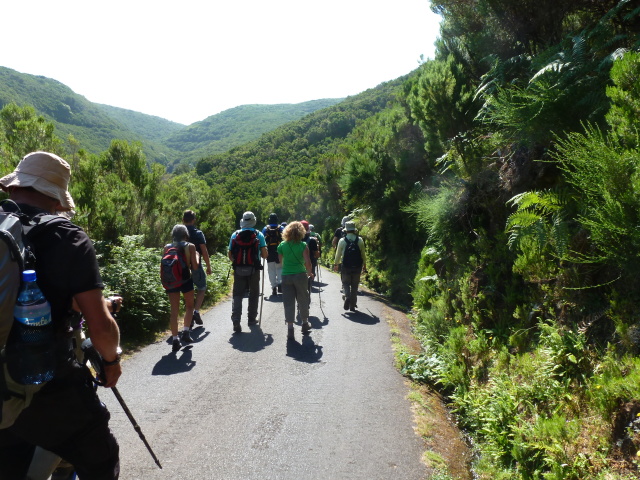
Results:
184 288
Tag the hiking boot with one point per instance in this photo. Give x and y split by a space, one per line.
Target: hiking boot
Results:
353 309
306 328
186 337
253 322
346 304
176 345
196 318
236 327
274 291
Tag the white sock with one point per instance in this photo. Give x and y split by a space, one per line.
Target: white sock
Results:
175 337
185 329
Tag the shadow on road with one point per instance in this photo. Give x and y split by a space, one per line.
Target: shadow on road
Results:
252 341
307 351
316 323
175 362
273 298
361 317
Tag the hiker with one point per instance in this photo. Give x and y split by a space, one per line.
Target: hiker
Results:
45 464
296 272
318 253
65 416
181 246
273 235
246 247
198 273
314 251
351 256
339 233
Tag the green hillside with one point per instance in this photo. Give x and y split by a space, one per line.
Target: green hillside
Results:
236 126
279 169
94 125
146 126
72 114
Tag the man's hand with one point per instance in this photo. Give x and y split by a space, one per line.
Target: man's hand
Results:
112 374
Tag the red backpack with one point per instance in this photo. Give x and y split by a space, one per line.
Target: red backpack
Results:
173 266
245 252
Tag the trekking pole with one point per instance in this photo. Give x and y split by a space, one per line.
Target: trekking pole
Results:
261 295
136 427
95 359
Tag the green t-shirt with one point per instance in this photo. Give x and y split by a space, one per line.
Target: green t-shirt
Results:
292 257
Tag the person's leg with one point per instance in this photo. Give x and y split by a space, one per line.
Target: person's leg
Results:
302 294
346 286
279 275
174 301
200 282
289 302
15 455
77 430
355 282
188 308
188 316
43 464
254 296
271 269
239 287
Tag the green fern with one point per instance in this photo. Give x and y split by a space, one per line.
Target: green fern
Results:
540 217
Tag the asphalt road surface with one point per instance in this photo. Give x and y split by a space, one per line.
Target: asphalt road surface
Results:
253 405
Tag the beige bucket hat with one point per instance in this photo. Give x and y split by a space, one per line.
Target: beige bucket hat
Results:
45 172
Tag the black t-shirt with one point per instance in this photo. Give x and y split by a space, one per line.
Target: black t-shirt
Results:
66 264
197 238
338 233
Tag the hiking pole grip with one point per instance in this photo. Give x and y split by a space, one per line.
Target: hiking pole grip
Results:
136 427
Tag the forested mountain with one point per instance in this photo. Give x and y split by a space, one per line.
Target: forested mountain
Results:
280 171
497 188
145 126
236 126
94 126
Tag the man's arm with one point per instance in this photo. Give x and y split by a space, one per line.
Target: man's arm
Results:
338 258
205 254
362 254
103 331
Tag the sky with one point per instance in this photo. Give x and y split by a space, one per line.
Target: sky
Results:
187 60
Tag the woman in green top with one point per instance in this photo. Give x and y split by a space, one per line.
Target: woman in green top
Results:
296 271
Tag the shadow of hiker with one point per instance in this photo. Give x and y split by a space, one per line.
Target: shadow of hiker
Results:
361 317
316 323
175 362
252 341
198 334
307 351
273 298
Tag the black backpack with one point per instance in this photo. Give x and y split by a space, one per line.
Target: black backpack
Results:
273 236
16 256
245 252
352 257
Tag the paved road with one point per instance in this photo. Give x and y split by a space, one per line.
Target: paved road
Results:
255 406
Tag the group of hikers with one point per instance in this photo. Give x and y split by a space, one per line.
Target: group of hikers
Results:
290 251
67 273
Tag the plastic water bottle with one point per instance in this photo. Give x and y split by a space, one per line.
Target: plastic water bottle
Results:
31 347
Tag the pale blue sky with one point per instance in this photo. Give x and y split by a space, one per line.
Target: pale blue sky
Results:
185 61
